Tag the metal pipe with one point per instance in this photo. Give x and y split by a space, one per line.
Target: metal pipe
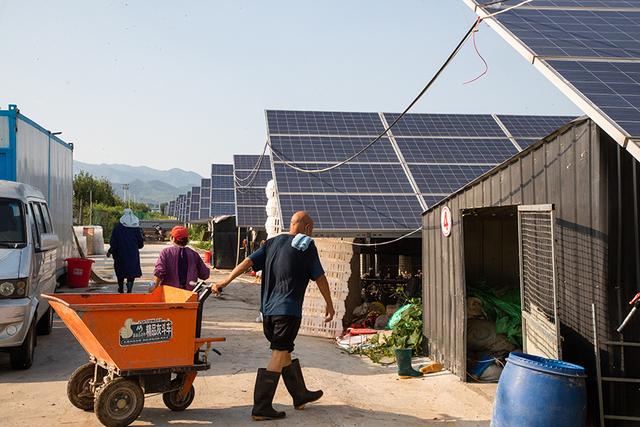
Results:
619 249
598 368
636 221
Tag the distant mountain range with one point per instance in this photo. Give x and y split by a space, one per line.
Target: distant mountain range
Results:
146 184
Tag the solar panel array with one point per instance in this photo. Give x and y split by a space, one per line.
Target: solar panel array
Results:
194 211
222 193
250 184
205 198
422 159
590 49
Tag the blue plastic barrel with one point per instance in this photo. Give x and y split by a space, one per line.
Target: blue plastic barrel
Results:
538 392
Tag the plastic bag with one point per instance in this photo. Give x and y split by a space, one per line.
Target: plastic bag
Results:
397 315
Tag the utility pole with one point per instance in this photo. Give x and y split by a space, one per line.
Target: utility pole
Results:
90 207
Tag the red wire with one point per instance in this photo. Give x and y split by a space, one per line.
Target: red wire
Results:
486 66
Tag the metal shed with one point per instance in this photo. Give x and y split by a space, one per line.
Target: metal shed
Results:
561 219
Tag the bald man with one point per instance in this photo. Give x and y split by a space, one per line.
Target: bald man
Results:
288 262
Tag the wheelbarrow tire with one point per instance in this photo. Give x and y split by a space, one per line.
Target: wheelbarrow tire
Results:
173 402
78 388
119 402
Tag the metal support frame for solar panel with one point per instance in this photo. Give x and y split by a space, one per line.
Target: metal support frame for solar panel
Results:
250 184
548 65
222 192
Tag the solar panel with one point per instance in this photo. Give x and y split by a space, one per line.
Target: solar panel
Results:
590 50
432 200
445 179
219 209
373 192
205 198
358 213
222 201
222 181
575 3
455 125
251 198
328 149
251 216
323 123
218 169
576 33
459 150
253 179
249 162
533 126
350 178
613 86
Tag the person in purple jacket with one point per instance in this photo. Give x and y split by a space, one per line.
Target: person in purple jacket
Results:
178 265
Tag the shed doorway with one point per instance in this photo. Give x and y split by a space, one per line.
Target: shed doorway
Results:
493 314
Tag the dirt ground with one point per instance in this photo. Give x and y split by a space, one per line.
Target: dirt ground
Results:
357 392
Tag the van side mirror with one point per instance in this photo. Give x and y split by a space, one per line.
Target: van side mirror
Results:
48 242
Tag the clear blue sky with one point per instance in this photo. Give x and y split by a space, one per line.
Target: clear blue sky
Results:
170 84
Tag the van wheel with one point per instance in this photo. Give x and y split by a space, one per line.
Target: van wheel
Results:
21 357
45 324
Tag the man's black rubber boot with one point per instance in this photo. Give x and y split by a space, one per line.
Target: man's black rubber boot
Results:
293 379
120 288
129 287
265 389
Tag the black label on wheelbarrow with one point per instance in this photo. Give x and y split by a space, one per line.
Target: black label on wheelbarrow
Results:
145 331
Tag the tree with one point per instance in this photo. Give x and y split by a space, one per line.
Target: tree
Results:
86 187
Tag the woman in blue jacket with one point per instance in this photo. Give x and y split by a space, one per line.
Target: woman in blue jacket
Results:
125 244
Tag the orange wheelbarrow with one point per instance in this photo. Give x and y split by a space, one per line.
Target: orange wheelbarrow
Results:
138 344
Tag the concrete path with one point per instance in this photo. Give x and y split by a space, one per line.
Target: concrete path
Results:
357 392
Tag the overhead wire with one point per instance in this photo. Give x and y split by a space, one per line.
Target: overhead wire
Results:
390 241
395 121
453 54
486 66
470 32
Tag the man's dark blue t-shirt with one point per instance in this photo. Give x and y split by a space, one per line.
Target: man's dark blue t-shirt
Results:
286 272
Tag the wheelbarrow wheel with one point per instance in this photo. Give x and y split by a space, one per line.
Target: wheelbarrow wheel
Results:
79 387
119 402
175 403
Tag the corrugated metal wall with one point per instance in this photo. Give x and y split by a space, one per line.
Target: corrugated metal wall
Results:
61 198
566 170
32 157
47 164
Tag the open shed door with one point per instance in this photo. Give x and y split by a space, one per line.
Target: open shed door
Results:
538 286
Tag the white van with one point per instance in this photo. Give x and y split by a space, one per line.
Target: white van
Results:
28 246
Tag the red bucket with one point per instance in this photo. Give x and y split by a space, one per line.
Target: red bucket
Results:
207 257
78 272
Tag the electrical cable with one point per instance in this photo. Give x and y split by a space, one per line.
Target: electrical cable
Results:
486 66
255 169
397 119
453 54
390 241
